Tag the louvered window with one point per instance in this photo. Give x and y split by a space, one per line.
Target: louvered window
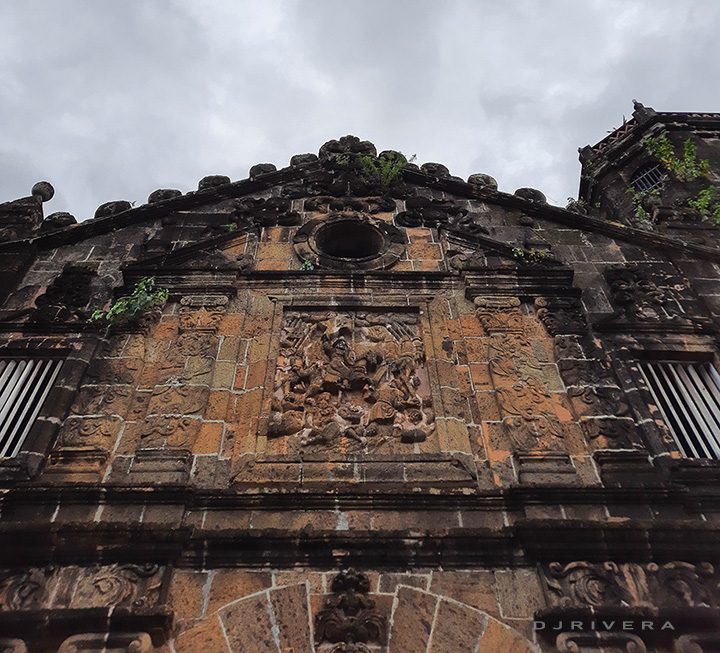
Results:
688 396
24 385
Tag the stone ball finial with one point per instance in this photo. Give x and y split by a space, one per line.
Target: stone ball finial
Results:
44 190
162 194
299 159
111 208
435 170
213 180
57 220
262 169
482 180
531 194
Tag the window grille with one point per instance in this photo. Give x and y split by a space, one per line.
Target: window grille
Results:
24 385
647 178
688 396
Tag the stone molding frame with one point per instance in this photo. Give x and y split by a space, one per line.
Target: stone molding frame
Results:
378 245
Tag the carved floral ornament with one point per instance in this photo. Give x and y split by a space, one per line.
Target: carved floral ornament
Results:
353 377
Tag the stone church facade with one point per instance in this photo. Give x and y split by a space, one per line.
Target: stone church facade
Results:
357 405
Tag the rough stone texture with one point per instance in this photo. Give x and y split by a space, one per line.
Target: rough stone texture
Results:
207 636
413 620
457 629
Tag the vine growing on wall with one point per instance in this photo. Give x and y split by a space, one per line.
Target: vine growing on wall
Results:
126 310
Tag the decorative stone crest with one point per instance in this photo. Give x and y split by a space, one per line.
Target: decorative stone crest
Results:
347 145
531 414
351 378
595 401
651 298
24 591
422 211
349 617
118 585
123 585
87 431
265 212
561 315
618 430
499 314
579 371
171 432
349 205
202 313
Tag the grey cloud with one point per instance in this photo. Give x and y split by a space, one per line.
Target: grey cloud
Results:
111 100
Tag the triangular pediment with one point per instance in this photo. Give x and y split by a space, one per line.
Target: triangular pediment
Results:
418 198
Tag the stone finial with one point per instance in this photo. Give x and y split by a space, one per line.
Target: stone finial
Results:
111 208
262 169
162 194
299 159
641 112
531 194
44 190
211 181
482 180
435 170
57 221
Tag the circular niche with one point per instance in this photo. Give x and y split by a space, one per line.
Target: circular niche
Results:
352 242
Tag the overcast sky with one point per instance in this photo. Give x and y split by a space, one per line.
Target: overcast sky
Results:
110 100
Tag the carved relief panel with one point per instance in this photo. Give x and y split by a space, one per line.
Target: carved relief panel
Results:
350 381
674 584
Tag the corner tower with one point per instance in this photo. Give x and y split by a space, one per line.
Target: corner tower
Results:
658 171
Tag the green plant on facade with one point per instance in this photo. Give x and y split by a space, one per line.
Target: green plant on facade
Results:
342 159
637 197
685 168
126 310
529 256
707 203
308 265
384 171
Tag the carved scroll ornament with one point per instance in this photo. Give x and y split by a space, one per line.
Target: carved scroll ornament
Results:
609 584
